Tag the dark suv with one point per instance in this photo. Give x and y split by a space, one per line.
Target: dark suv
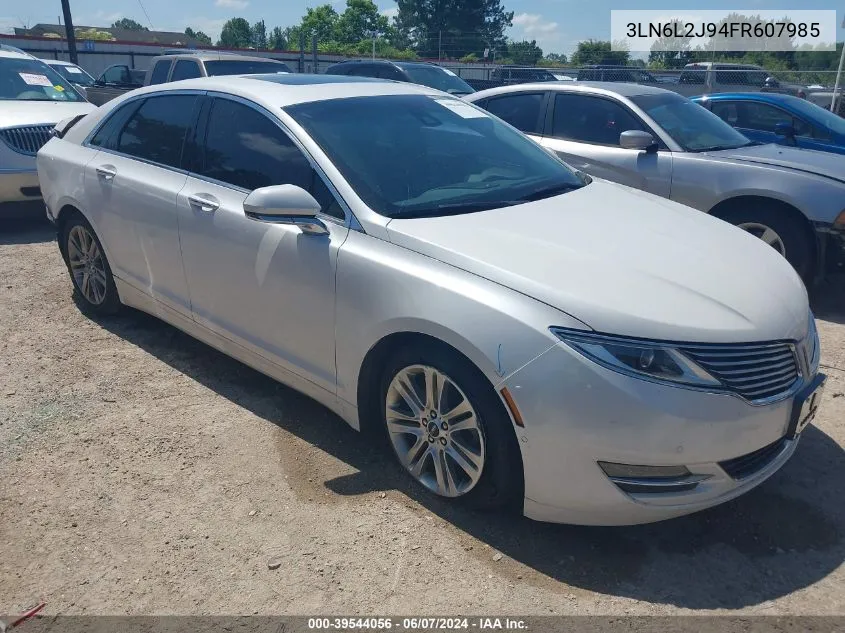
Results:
609 72
507 75
424 73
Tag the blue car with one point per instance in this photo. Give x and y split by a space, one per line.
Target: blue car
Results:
778 118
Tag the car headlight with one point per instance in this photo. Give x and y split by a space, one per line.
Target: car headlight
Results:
641 359
814 355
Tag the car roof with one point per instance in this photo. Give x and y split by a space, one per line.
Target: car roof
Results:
593 87
215 56
14 53
771 97
57 62
284 89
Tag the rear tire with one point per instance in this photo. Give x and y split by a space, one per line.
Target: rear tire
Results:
460 444
781 230
93 282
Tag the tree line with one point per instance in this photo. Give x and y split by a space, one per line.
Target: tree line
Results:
473 30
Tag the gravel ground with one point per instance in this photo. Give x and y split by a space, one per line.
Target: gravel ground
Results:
142 472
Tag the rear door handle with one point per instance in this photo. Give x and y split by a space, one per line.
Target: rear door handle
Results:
106 172
204 202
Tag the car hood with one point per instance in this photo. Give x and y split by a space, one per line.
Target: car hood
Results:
625 262
809 161
15 113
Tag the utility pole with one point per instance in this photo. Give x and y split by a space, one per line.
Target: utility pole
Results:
439 44
838 75
71 36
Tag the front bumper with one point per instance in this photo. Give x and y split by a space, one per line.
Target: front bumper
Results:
19 185
578 414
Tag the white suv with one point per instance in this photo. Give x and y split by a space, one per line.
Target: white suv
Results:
33 98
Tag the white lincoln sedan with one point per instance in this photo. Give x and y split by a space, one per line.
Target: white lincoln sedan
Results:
522 335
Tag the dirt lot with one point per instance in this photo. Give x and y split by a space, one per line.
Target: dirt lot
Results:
142 472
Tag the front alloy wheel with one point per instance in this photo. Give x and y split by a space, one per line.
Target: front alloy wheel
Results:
765 233
435 430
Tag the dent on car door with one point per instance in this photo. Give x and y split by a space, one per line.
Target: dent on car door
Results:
268 286
131 187
585 132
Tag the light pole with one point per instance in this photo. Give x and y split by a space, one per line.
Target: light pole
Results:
71 36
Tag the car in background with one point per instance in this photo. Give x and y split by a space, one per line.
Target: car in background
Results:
610 72
658 141
507 75
521 335
422 73
177 65
113 82
710 77
73 73
776 118
33 98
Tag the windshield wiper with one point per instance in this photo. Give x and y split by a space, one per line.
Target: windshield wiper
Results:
548 192
455 208
719 148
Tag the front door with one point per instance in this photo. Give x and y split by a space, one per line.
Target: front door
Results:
585 133
268 287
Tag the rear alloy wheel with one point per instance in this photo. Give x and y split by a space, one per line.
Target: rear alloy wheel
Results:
435 430
88 267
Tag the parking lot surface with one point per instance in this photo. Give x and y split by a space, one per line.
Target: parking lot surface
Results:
142 472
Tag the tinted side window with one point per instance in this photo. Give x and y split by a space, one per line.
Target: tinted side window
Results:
725 110
245 148
159 73
692 77
523 111
157 130
185 69
591 119
759 116
117 75
105 136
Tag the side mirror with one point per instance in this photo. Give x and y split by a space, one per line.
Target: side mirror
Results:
637 139
786 130
285 204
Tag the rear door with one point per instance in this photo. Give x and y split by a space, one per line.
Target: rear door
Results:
131 186
585 131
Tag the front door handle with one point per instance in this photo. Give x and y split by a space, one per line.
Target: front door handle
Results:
204 202
106 172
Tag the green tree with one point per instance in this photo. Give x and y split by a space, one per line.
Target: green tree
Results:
559 58
259 35
671 52
198 35
453 29
320 21
129 24
278 39
93 34
525 53
598 52
361 20
236 33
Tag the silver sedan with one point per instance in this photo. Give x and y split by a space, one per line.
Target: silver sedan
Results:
519 334
655 140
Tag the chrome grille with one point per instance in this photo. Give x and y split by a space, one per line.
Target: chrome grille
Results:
26 139
756 371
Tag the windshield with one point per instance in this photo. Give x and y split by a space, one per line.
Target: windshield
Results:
244 67
423 156
819 115
74 75
694 128
437 78
33 80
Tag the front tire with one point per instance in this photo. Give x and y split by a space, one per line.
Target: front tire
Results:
90 273
782 231
448 428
